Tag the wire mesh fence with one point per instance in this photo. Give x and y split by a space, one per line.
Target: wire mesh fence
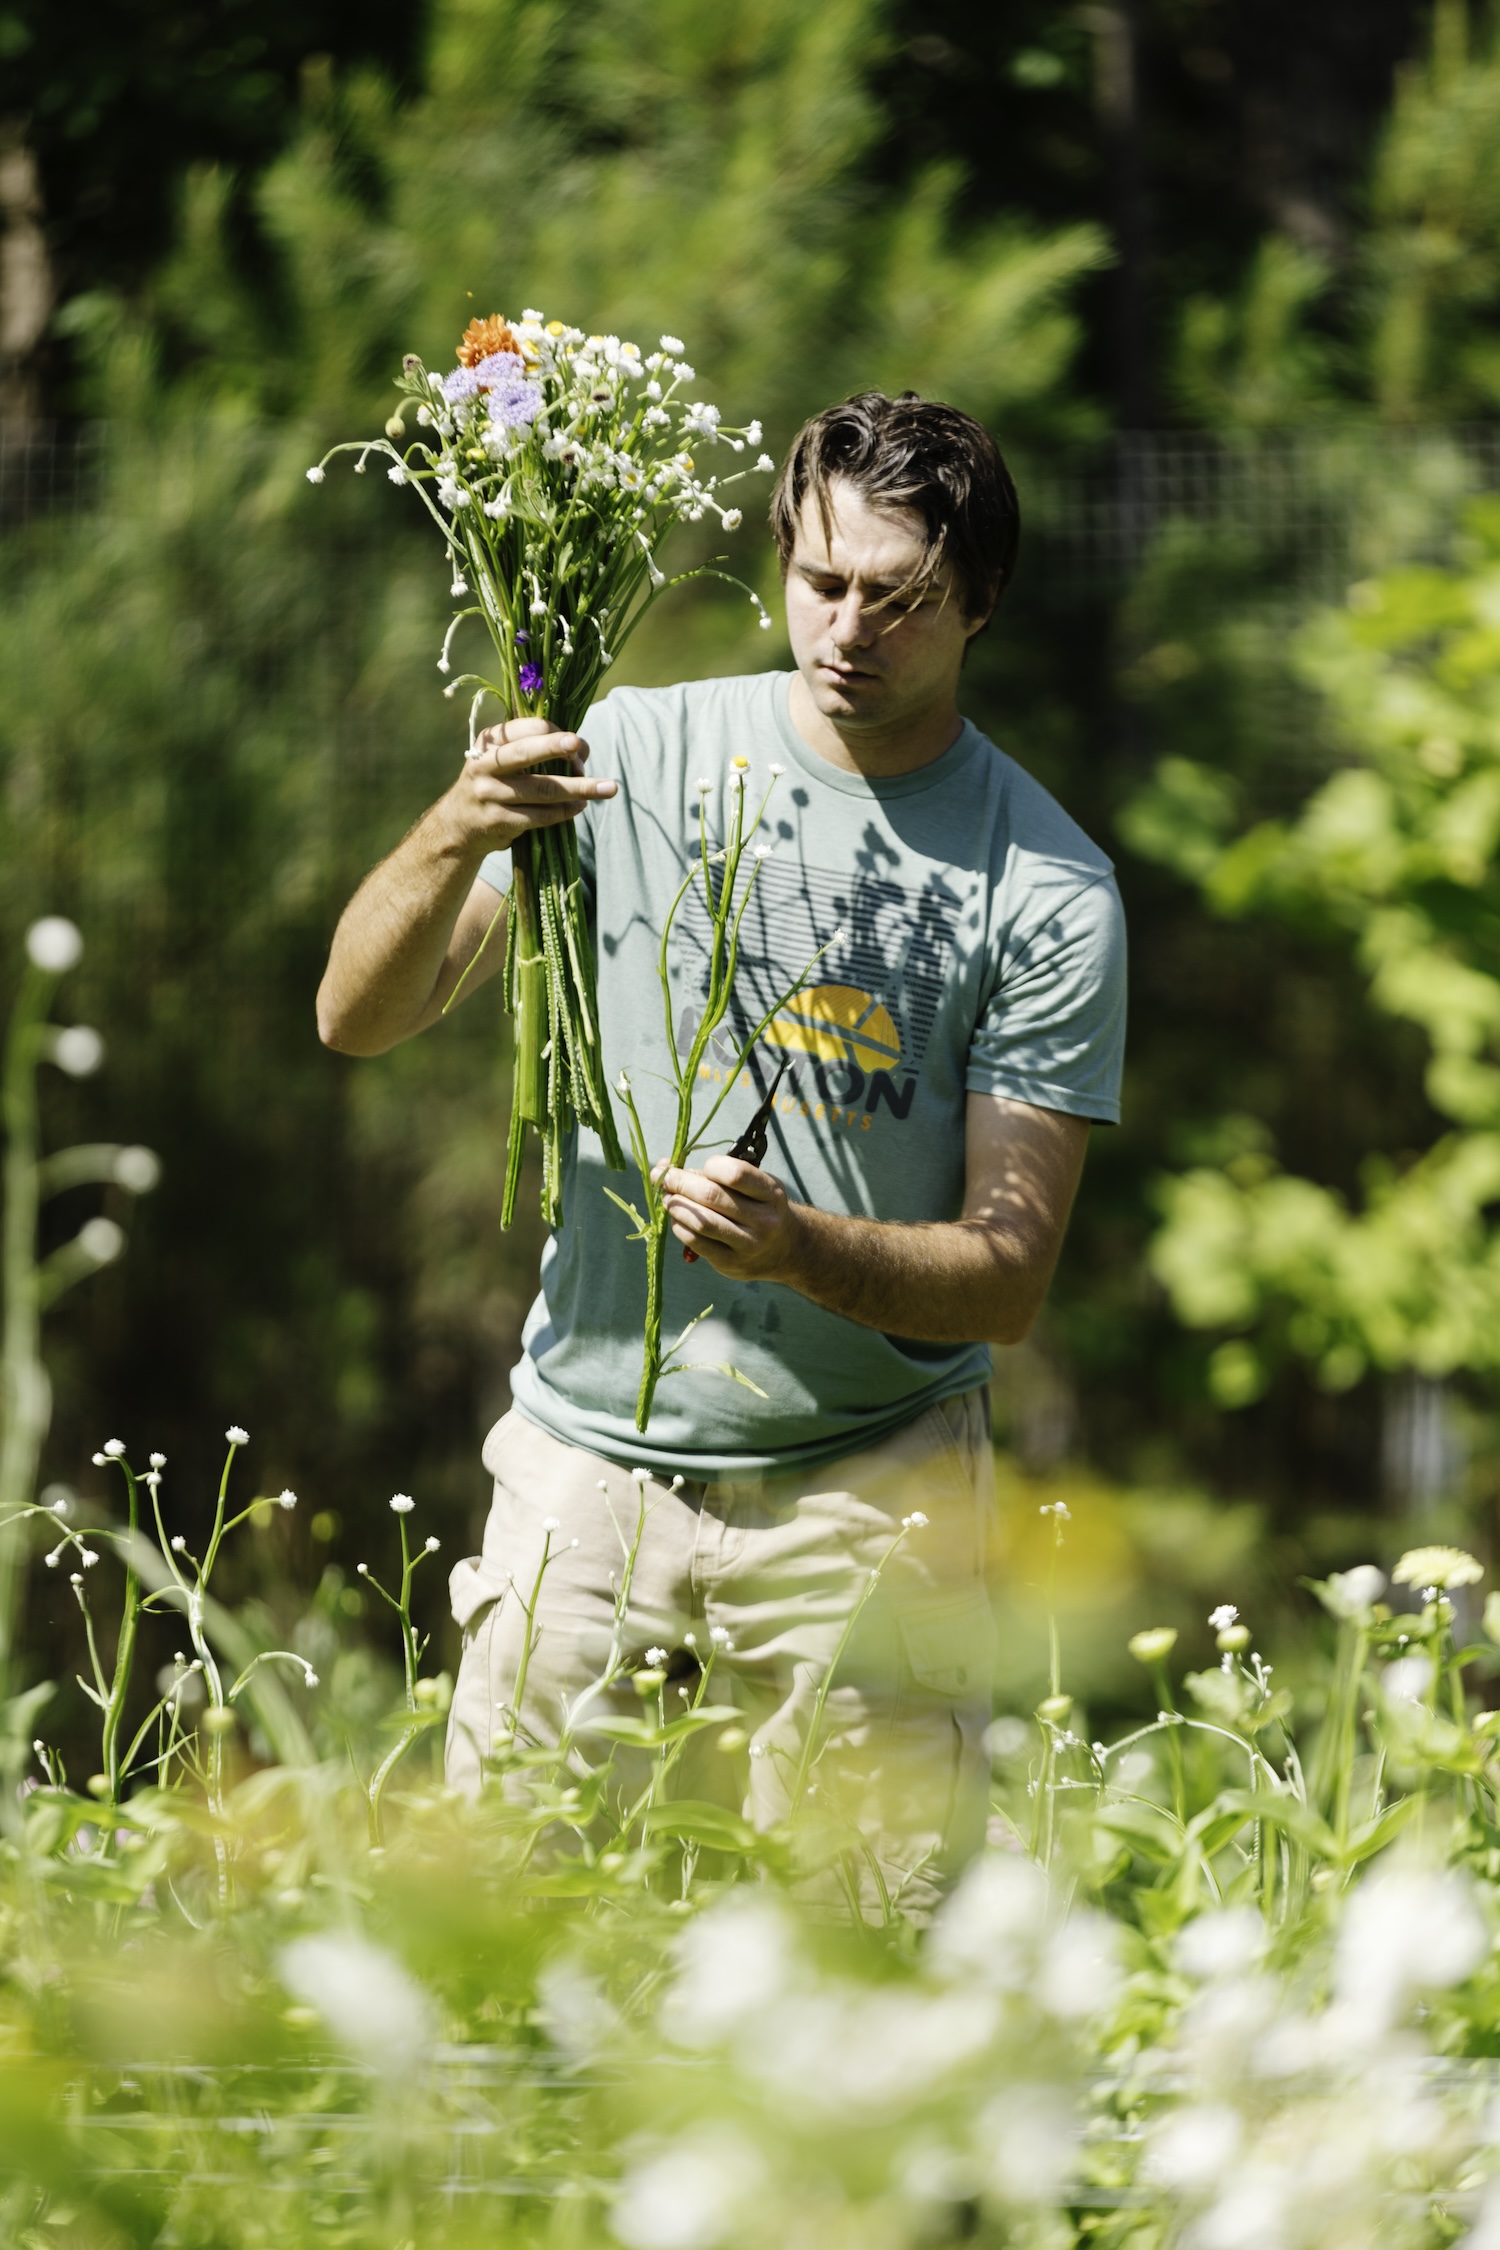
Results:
1316 503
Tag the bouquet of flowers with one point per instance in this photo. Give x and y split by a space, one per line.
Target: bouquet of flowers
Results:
554 463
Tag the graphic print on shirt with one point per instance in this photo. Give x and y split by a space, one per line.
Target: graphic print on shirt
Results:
856 1035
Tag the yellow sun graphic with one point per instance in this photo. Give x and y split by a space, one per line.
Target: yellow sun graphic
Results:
838 1023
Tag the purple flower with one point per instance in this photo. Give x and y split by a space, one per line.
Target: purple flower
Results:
531 679
522 639
514 402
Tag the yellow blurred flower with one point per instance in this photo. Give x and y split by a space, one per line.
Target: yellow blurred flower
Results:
1437 1566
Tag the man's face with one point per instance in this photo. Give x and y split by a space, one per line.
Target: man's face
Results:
866 665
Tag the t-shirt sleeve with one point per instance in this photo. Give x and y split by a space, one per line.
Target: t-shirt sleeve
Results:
601 733
1053 1030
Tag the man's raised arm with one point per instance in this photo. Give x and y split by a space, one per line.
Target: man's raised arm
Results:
418 919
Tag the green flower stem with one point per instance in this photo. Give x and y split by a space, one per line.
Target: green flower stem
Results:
811 1744
25 1392
112 1765
1161 1679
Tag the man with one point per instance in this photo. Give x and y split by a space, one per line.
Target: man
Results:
964 1027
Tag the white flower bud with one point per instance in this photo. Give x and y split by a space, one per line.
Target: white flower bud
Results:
402 1504
316 475
158 1460
101 1241
237 1436
79 1050
137 1169
288 1499
54 944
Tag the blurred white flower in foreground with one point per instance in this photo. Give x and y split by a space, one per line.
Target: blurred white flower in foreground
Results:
575 2013
1221 1944
1029 2140
1408 1679
364 1995
1405 1930
1352 1594
991 1926
733 1960
1191 2147
687 2198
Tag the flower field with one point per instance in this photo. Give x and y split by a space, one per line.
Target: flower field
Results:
1229 1979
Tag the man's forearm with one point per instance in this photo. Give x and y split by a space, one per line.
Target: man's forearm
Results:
392 939
965 1281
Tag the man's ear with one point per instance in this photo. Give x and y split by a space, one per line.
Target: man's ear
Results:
974 626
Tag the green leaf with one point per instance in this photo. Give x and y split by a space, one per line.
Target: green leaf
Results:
1144 1826
714 1367
630 1212
701 1823
1285 1812
1376 1834
646 1735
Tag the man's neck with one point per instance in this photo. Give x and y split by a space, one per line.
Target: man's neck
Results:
877 752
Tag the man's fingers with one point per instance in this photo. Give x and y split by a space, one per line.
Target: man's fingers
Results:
514 745
539 788
698 1188
694 1225
741 1178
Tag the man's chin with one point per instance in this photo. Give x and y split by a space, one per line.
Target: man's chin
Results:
859 697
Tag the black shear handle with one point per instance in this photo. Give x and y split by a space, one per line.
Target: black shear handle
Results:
750 1148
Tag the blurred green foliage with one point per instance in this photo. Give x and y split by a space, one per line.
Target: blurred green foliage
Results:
1395 851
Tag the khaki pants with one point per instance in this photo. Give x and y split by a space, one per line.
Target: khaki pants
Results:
765 1571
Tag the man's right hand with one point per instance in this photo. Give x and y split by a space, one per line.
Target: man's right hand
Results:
500 795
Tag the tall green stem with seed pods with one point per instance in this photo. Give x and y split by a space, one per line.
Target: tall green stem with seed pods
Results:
725 899
554 463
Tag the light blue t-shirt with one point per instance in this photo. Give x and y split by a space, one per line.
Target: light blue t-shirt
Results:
983 951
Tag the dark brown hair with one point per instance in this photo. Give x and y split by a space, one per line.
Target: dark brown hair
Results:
917 454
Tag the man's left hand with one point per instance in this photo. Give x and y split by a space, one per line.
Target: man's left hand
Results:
734 1215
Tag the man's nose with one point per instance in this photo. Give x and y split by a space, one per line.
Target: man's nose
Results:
851 622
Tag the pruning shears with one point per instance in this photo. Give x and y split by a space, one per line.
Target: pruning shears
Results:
750 1148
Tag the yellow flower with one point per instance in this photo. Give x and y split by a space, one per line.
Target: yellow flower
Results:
1437 1566
1156 1642
742 765
554 328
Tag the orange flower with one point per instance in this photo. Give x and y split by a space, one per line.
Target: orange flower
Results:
482 337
